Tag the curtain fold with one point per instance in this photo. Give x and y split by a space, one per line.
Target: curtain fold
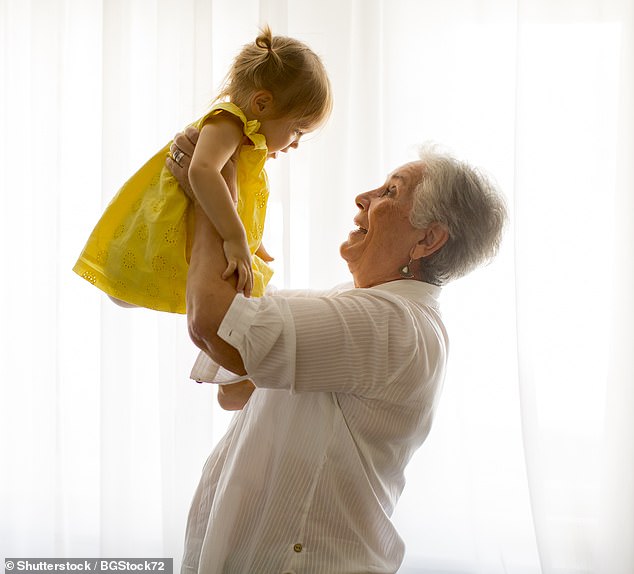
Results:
616 518
573 174
529 467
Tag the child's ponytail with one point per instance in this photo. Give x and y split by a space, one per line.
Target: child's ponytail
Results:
265 42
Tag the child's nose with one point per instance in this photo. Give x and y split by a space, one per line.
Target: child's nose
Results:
293 145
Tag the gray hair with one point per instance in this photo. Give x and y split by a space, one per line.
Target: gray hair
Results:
471 207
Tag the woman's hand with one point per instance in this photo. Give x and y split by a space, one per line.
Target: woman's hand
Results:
233 397
181 151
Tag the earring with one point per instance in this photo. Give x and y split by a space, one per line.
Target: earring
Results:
406 272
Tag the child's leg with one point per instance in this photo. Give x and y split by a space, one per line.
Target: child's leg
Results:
121 303
263 254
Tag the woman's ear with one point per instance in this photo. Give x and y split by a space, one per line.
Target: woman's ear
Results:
435 235
261 103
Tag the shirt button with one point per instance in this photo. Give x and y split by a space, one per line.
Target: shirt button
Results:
297 547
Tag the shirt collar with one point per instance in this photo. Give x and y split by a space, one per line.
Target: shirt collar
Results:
417 291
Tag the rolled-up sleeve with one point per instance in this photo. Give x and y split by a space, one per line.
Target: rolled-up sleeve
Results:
356 342
263 332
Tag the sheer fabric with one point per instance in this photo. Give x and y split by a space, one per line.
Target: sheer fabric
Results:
530 464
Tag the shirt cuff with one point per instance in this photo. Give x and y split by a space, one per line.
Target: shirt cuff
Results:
237 321
206 370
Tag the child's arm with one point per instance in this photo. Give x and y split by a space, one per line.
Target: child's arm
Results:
219 140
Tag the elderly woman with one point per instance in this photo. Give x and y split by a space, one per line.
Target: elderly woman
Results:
343 385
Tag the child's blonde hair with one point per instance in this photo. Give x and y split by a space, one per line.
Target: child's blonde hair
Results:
290 70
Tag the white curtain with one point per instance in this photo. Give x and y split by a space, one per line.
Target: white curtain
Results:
530 465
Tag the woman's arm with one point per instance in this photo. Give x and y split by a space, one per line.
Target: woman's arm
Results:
234 396
205 313
209 296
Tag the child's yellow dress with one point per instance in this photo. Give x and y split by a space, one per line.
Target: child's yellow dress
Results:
139 250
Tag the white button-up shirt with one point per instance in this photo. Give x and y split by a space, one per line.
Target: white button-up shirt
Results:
307 476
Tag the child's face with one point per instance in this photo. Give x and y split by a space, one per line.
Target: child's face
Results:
281 134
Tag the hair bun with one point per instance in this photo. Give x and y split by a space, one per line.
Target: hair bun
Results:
265 39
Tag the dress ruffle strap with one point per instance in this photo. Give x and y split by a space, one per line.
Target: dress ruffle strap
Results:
250 128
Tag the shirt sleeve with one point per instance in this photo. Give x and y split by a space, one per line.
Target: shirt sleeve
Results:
206 370
356 342
279 292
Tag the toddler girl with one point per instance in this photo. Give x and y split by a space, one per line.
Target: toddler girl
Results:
138 253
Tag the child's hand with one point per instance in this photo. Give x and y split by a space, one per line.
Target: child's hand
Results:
239 261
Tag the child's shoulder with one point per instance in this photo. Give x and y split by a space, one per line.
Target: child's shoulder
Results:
227 109
229 114
223 113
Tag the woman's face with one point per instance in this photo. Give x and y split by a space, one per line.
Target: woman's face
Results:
384 239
